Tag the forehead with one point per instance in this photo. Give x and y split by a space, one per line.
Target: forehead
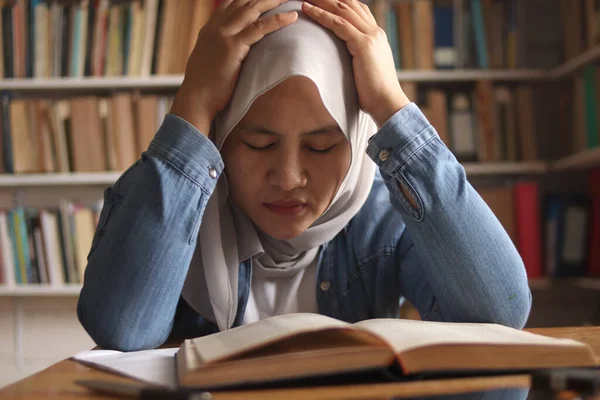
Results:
296 100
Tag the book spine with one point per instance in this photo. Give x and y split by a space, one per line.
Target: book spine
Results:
528 232
480 36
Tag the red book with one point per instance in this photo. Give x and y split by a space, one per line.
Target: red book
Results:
594 185
529 237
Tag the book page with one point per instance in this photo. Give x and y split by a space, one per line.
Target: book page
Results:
225 344
405 335
151 366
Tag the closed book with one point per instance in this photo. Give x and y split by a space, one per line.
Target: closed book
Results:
123 129
594 238
570 214
87 142
526 123
424 34
146 108
8 260
484 108
52 248
445 53
7 42
591 106
436 112
506 125
406 36
150 23
527 206
462 128
480 34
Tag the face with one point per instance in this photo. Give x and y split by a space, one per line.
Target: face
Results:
286 159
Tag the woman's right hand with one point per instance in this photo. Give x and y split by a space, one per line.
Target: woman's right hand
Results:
214 65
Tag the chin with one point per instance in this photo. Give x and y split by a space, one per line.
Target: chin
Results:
283 232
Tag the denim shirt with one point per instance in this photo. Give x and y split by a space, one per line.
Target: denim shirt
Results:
449 256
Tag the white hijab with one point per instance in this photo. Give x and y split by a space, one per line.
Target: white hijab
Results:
227 236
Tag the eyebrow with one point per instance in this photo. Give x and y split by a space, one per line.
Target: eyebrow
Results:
264 131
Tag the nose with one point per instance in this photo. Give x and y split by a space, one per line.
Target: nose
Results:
288 173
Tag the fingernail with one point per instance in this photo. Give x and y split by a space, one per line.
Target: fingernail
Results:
307 4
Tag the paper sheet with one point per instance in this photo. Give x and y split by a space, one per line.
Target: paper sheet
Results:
151 366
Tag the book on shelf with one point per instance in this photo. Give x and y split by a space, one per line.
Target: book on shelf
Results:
493 123
55 38
555 232
79 134
46 246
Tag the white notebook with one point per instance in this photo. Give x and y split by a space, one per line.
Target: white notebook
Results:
151 366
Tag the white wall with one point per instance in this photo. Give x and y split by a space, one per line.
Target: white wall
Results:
49 332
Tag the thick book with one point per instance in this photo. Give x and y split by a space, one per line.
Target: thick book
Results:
303 346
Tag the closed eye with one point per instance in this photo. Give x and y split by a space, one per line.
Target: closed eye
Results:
259 148
321 151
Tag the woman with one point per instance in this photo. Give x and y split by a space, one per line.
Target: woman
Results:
339 196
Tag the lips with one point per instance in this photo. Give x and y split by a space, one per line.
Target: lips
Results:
286 207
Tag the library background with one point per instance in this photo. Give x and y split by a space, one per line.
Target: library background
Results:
512 86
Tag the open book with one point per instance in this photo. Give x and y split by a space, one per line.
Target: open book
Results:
307 345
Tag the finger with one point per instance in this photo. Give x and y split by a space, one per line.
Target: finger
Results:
367 11
338 25
265 25
354 5
242 13
347 9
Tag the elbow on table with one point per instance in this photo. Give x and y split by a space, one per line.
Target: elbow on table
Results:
512 311
113 332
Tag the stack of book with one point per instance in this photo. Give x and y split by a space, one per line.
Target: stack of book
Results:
441 34
556 233
80 134
489 123
75 38
45 246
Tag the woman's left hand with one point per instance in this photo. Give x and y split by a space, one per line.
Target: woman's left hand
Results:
379 92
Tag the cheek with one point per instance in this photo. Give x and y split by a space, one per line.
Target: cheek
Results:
241 169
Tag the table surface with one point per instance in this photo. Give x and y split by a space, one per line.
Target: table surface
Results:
57 381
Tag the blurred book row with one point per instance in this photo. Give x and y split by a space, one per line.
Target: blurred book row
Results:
43 246
428 34
80 134
54 38
557 234
487 124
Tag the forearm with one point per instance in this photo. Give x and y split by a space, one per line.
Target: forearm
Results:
471 266
145 240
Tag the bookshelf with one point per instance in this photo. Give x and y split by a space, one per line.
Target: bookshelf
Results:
572 66
174 81
40 290
61 179
586 159
471 75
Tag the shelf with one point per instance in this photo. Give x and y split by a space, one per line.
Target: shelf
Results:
576 63
472 75
86 83
60 179
40 290
505 168
574 282
174 81
586 159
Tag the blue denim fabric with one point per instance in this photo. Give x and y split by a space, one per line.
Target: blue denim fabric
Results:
449 256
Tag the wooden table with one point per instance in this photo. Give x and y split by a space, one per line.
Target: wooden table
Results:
57 381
